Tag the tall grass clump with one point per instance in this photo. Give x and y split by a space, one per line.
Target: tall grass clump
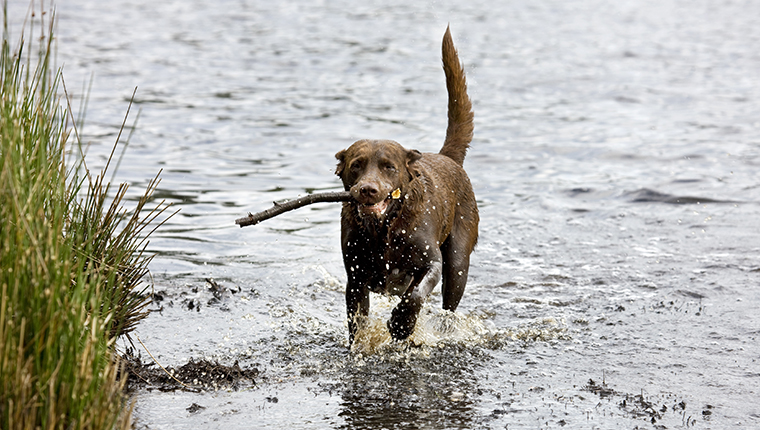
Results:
71 258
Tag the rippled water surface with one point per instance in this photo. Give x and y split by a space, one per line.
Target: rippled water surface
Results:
616 163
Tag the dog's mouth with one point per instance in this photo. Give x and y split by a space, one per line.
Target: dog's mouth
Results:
376 209
380 208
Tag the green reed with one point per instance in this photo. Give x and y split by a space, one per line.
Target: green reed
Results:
72 259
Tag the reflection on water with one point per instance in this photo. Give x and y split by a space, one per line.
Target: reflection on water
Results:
615 163
383 392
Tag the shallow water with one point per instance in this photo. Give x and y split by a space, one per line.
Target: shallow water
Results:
615 162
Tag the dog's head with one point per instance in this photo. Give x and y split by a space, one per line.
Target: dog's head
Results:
376 172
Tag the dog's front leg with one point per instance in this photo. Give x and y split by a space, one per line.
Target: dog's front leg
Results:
404 316
357 306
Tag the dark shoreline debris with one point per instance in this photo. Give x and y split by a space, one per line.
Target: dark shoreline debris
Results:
196 375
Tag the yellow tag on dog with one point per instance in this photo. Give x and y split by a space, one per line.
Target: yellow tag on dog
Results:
396 194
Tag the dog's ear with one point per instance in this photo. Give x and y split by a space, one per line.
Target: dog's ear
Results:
412 155
341 156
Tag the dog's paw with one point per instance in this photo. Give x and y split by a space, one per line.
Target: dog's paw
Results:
402 322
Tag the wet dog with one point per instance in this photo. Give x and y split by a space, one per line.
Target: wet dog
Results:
413 220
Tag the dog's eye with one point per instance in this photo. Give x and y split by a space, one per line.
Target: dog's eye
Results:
356 165
390 167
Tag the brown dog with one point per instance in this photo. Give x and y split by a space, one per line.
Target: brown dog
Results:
414 218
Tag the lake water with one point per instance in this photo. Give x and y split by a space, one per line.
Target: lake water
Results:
616 162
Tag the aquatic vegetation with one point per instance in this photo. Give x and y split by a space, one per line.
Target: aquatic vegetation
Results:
72 259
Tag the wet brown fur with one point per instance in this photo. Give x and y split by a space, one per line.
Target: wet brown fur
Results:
414 219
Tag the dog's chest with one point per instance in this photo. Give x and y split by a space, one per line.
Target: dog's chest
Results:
388 263
402 259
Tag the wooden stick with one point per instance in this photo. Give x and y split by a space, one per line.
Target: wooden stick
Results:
279 208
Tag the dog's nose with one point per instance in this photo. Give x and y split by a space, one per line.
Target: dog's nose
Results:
369 190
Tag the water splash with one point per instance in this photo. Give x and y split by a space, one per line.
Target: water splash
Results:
438 328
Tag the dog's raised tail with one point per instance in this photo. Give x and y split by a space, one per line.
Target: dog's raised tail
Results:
460 128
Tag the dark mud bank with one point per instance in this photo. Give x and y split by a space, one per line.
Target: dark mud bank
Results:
196 376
